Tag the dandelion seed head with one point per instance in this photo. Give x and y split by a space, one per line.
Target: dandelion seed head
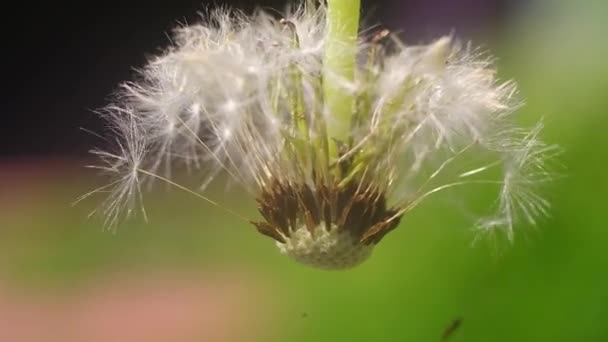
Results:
243 95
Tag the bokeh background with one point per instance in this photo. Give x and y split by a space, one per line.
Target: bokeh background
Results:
193 273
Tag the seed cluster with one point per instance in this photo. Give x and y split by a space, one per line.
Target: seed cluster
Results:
357 208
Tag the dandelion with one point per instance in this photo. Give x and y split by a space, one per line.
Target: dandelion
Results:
335 135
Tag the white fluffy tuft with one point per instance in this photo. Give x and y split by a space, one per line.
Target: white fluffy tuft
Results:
220 100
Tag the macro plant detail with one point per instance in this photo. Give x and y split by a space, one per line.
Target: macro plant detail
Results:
335 134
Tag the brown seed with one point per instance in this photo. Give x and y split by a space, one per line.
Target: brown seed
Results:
356 207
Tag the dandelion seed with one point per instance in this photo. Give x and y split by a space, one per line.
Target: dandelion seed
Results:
335 137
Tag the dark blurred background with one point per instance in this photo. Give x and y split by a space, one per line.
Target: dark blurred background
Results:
193 273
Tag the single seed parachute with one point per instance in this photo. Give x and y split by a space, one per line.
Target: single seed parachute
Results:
335 154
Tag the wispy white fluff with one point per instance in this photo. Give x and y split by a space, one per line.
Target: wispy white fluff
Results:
124 166
220 100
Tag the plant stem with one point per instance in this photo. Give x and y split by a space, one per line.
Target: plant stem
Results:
339 68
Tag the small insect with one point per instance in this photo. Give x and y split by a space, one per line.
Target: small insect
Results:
451 329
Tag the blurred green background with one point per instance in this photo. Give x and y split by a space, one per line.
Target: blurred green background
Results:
58 268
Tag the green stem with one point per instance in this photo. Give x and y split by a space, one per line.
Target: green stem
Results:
339 68
296 97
